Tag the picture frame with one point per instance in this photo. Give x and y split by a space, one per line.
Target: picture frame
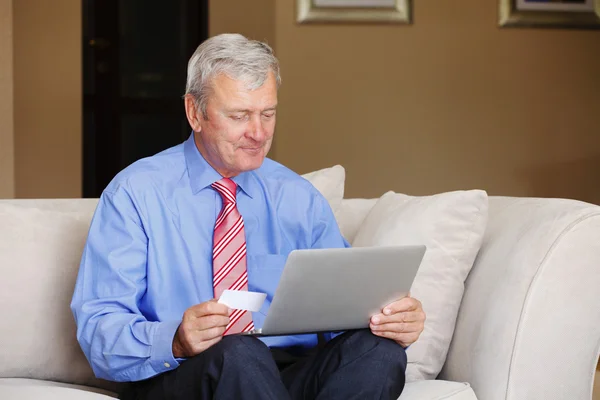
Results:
359 11
574 14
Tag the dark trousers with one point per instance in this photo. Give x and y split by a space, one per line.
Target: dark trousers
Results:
355 365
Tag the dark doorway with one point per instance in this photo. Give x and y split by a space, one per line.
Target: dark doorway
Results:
135 55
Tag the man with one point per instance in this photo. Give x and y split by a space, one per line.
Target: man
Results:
172 231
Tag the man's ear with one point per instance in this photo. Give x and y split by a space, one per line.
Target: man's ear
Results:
193 113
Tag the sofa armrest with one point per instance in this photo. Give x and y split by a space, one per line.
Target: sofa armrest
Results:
529 324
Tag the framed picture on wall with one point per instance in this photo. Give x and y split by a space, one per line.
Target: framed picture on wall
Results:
583 14
389 11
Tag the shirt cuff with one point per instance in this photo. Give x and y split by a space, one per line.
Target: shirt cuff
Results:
161 356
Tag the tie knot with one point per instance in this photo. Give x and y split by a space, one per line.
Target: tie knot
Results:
226 188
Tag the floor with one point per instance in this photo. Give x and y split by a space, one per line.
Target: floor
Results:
596 395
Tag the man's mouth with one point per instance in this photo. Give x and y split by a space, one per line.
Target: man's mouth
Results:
253 146
252 150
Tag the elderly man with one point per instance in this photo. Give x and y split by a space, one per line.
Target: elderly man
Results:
172 231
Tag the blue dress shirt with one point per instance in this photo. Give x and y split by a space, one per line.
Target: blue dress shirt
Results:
148 254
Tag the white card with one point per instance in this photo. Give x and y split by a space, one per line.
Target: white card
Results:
243 300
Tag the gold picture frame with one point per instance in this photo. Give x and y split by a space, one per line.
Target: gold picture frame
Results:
380 11
583 14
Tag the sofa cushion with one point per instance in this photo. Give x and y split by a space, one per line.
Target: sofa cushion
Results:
451 225
351 214
33 389
86 206
437 390
40 252
330 182
26 389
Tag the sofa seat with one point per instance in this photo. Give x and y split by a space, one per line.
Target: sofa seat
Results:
438 390
33 389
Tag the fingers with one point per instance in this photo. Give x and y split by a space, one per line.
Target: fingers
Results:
402 305
206 344
210 321
207 308
204 328
193 343
202 325
402 321
398 327
210 333
197 334
411 316
192 338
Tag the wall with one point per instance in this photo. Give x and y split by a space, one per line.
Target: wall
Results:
47 98
447 103
7 172
450 102
254 19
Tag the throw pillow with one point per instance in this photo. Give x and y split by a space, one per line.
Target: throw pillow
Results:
451 225
330 182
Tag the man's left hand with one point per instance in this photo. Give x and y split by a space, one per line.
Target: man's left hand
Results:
402 321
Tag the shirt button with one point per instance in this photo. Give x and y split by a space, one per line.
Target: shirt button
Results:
167 365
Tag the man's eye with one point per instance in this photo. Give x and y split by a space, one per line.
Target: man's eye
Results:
237 117
269 115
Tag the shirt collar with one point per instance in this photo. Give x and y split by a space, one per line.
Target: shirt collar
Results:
202 174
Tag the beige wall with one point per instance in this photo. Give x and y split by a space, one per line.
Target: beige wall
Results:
447 103
7 171
450 102
255 19
47 98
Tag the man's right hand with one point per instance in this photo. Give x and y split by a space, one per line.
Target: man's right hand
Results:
202 326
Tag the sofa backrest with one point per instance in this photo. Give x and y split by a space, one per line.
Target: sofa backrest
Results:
41 242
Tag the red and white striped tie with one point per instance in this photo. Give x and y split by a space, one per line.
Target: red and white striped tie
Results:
229 254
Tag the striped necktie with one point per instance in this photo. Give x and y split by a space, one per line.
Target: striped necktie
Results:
229 254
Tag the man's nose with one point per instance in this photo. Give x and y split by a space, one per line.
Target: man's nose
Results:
256 130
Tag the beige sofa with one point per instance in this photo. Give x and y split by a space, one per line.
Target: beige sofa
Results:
528 327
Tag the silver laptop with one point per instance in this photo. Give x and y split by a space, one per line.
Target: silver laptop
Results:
329 290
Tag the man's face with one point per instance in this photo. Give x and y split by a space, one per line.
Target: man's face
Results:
238 132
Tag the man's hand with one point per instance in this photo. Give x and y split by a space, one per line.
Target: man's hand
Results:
402 321
202 326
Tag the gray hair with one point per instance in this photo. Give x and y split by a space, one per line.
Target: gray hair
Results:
234 55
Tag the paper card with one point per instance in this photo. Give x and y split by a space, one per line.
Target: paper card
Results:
243 300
